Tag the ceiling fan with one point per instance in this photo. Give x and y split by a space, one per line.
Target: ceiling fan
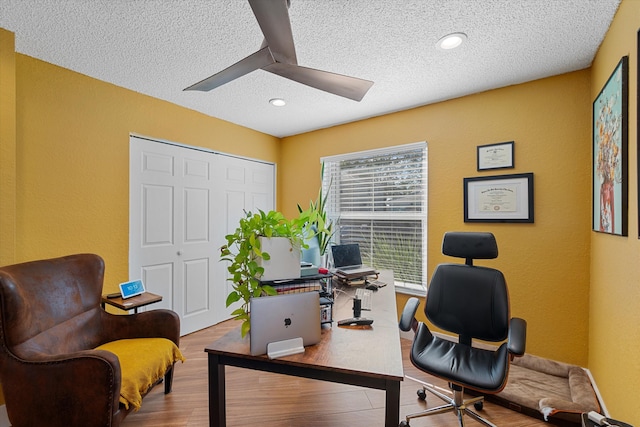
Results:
278 56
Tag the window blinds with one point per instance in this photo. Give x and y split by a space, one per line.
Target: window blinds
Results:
378 199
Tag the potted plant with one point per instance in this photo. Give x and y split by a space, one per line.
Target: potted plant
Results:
316 219
244 252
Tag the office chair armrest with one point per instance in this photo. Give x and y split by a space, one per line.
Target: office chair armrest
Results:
408 320
517 336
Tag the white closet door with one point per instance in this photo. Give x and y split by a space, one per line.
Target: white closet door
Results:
181 202
247 186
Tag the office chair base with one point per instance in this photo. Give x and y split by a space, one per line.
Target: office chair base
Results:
422 395
454 402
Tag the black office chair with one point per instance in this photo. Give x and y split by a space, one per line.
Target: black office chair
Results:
472 302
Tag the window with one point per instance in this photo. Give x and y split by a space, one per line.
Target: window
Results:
378 199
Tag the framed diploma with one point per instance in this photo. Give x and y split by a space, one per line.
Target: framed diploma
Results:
495 156
500 198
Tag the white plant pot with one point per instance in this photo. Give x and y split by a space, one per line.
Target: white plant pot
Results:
284 262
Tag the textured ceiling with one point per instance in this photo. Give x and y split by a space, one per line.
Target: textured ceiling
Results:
159 47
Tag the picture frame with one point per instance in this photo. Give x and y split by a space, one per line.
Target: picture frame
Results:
499 198
609 148
496 156
638 134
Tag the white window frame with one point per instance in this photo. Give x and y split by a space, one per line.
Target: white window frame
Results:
331 187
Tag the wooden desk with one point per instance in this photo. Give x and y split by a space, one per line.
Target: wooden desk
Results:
366 356
132 303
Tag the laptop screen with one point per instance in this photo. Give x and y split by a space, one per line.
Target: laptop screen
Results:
346 255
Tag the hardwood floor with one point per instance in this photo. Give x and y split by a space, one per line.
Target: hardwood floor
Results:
271 400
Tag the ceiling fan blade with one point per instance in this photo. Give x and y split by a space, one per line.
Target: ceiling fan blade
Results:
273 18
255 61
337 84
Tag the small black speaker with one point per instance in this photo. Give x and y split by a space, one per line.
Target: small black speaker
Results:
357 307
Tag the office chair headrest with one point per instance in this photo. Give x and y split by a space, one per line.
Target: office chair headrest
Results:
470 245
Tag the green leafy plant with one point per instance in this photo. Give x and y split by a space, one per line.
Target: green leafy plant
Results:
316 217
244 253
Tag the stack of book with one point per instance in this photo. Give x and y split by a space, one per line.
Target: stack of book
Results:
348 280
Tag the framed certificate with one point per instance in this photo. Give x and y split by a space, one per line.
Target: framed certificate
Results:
131 289
501 198
496 156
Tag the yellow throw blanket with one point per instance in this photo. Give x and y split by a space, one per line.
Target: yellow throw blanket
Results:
143 361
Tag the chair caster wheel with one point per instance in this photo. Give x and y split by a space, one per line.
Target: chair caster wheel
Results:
478 405
422 394
403 424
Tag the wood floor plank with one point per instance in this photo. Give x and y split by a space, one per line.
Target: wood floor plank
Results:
264 399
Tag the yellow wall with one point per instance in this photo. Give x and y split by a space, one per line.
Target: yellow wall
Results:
72 159
7 151
7 148
614 315
545 263
64 146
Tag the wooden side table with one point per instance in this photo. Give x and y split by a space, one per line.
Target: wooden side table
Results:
132 303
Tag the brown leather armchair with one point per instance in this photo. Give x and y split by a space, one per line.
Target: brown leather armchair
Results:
51 321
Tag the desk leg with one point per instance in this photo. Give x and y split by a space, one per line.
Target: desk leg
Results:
392 404
217 411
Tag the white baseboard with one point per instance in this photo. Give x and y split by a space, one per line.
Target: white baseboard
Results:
604 410
4 419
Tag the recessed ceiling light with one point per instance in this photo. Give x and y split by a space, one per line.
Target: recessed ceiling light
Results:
277 102
451 41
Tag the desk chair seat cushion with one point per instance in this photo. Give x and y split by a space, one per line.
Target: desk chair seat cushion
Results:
143 361
471 367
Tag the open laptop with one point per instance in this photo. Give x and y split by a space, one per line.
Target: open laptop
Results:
284 317
348 261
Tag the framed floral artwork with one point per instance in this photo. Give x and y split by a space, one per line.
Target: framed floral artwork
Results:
610 132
